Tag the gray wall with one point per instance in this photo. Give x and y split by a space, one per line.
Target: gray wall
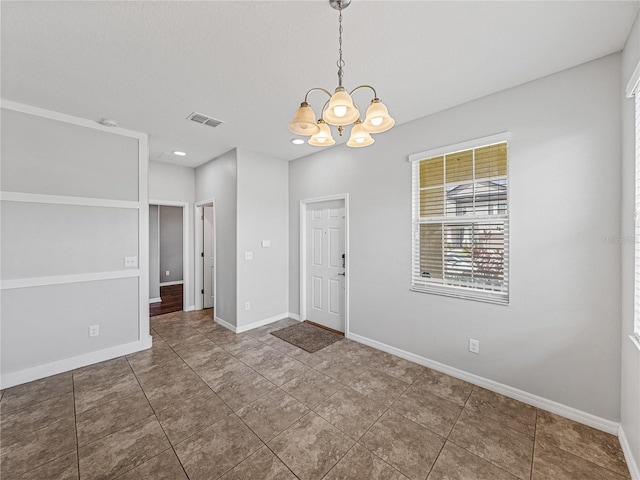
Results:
564 203
170 244
262 215
218 179
630 404
43 322
154 252
174 183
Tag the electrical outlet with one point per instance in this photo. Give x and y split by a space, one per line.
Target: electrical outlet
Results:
94 330
247 305
265 243
248 255
167 273
130 262
474 345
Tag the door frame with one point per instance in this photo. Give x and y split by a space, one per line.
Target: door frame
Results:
199 284
186 278
304 204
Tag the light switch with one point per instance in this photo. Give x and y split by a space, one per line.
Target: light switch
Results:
248 255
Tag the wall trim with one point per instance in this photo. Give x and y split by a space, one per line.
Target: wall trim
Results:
63 279
63 117
294 316
24 197
261 323
168 284
155 300
190 308
632 462
634 82
65 365
226 325
594 421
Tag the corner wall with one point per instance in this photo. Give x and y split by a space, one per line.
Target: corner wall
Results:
630 396
74 205
559 338
218 179
262 215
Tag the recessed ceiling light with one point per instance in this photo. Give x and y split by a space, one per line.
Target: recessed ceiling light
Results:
179 153
297 141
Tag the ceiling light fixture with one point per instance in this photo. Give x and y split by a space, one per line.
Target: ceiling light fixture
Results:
297 141
340 110
179 153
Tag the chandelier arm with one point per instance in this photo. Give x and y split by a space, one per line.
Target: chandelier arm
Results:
375 95
319 89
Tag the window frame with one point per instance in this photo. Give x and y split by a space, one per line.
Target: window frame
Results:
633 90
468 292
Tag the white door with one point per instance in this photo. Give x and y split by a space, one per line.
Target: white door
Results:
325 264
208 256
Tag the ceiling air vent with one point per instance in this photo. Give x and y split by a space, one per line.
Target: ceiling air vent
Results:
203 119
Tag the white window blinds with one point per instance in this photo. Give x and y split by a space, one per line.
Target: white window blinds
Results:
460 237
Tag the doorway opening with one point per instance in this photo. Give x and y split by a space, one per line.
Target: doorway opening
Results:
168 257
324 262
205 255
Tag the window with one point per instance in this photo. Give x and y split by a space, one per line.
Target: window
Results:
461 221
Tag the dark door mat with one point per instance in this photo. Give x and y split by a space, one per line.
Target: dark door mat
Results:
307 337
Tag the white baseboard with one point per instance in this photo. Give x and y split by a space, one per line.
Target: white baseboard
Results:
155 300
226 325
167 284
190 308
632 462
603 424
293 316
251 326
41 371
262 323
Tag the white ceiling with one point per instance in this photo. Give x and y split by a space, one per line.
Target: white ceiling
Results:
249 63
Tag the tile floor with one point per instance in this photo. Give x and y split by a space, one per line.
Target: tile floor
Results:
205 403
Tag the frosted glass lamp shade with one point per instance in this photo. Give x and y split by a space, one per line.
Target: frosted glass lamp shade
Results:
341 110
359 136
377 119
323 138
304 121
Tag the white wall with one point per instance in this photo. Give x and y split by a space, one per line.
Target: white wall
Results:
559 338
73 207
262 215
630 401
173 183
218 179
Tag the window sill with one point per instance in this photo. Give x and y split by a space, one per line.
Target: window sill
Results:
463 293
635 340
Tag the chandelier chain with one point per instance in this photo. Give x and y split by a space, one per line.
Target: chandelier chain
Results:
340 62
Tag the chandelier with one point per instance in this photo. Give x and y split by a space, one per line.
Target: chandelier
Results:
340 110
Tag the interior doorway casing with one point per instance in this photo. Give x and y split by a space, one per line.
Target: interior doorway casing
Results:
186 278
304 206
199 272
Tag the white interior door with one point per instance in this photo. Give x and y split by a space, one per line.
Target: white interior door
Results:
325 264
208 257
